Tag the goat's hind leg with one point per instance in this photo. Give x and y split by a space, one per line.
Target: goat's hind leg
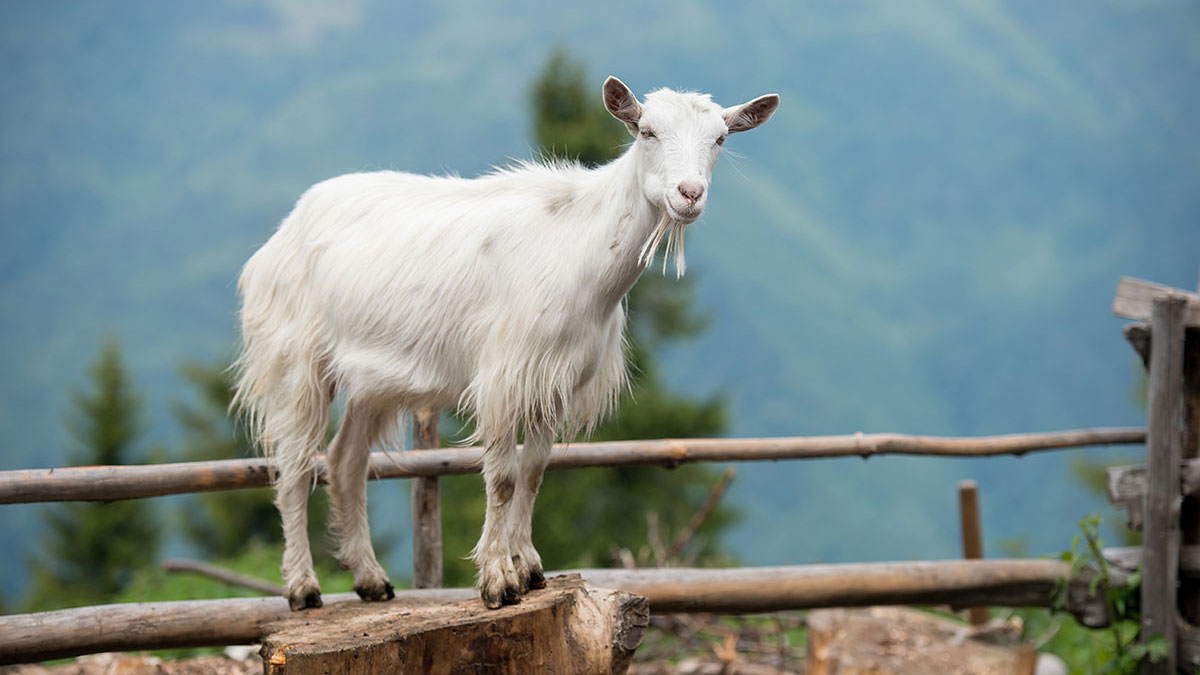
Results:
498 581
298 416
349 456
292 486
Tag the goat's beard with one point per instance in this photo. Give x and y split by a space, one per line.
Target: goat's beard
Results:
673 231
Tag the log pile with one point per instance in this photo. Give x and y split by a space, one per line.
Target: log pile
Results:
901 641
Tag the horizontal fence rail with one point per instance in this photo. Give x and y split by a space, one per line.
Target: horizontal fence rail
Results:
110 483
959 583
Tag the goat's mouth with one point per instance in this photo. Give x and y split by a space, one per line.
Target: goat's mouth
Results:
686 215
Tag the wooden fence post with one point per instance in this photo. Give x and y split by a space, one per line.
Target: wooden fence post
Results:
1161 530
972 535
426 507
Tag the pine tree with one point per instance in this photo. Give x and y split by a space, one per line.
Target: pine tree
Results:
90 551
583 517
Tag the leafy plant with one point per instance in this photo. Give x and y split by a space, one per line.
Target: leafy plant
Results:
1121 653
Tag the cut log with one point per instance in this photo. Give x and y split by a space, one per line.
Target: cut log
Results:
568 627
901 641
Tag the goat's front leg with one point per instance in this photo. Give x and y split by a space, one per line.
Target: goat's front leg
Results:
532 462
498 581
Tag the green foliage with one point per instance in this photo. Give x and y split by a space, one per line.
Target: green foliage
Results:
222 524
583 517
567 122
90 551
1115 650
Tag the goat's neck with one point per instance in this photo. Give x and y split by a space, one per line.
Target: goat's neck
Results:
625 220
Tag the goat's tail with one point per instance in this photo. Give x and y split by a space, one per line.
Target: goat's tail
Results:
283 387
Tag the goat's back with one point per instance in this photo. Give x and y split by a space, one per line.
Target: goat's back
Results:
423 288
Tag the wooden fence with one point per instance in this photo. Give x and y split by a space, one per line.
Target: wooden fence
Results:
1170 344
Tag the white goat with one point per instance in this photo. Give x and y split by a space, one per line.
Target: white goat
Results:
502 295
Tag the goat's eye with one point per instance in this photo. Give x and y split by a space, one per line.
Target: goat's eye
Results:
720 140
647 134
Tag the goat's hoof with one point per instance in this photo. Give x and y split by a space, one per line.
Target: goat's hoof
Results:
537 579
505 596
512 596
492 600
310 600
377 594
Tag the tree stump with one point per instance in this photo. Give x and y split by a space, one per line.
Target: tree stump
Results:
901 641
568 627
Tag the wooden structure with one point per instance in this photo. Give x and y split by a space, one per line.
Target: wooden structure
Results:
568 627
426 508
957 583
1160 496
110 483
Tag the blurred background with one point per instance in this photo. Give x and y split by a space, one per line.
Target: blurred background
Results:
926 238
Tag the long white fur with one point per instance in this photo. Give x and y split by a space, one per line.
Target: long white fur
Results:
500 295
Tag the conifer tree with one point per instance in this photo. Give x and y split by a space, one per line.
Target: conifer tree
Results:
91 550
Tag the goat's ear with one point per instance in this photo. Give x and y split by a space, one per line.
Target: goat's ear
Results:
622 104
746 116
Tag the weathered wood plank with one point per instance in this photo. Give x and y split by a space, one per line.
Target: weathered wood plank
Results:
159 625
1164 452
109 483
568 627
1127 487
426 508
1129 558
1135 299
958 583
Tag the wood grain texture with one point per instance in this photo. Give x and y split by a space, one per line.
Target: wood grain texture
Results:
426 508
1164 452
1135 300
110 483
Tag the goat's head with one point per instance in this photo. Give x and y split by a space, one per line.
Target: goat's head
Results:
678 137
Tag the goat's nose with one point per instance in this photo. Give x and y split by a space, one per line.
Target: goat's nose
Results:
691 191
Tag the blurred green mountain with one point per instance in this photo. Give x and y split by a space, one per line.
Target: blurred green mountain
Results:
925 239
